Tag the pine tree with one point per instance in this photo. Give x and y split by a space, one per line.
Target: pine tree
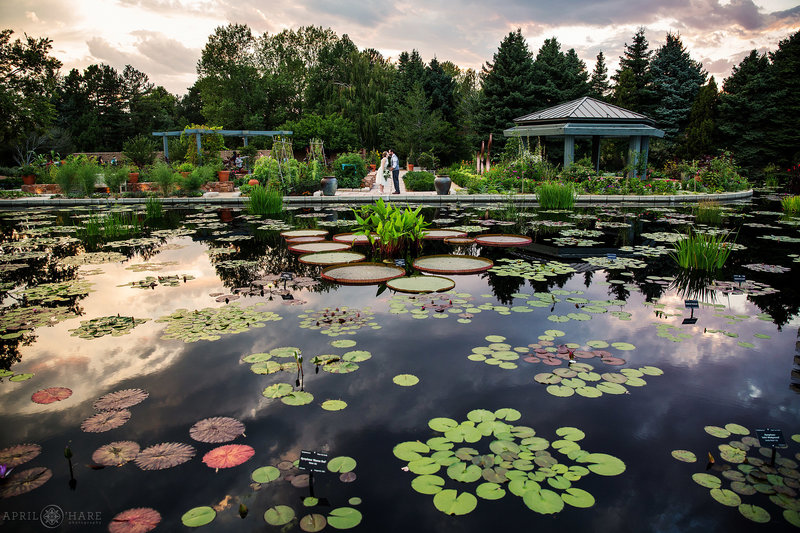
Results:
637 60
558 77
507 87
701 131
439 86
675 79
786 75
599 81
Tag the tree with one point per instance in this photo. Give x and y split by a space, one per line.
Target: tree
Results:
675 79
636 59
701 130
416 128
786 76
338 133
599 85
28 79
507 87
749 112
439 87
557 77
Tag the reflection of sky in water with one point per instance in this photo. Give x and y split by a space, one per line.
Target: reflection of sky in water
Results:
708 380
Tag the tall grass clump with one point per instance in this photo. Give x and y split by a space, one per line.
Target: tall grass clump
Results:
154 208
87 177
555 196
164 176
67 175
708 212
115 176
264 200
791 205
702 251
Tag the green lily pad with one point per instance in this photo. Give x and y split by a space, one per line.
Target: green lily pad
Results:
624 346
707 480
279 515
603 464
463 472
313 522
611 388
543 501
257 358
754 513
684 455
427 484
791 516
298 398
726 497
442 424
737 429
490 491
570 433
717 431
333 405
511 415
560 390
356 356
578 498
495 338
310 501
265 474
199 516
344 518
20 377
277 390
424 466
410 450
405 380
342 464
450 502
343 343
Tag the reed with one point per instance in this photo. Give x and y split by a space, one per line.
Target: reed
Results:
708 212
154 208
702 251
264 201
555 196
791 205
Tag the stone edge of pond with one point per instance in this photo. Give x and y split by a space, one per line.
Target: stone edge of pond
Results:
410 198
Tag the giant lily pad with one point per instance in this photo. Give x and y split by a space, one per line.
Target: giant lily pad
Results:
331 258
317 247
452 264
216 429
362 273
501 239
291 234
139 520
165 455
116 453
421 284
441 234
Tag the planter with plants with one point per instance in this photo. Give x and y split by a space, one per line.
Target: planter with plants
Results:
115 176
133 174
140 150
28 173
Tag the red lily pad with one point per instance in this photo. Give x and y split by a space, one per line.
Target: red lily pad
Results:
105 421
140 520
121 399
228 456
164 455
51 395
116 453
18 454
25 481
217 429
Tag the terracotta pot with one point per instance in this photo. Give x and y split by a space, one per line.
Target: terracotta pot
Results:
373 167
29 179
411 167
223 175
133 177
253 182
185 174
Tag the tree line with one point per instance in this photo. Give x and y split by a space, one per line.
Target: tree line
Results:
320 85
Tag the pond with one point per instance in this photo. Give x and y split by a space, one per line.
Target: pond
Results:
172 372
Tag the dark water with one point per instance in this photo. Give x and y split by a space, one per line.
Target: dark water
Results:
709 380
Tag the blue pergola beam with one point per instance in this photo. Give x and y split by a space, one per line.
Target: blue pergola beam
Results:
199 132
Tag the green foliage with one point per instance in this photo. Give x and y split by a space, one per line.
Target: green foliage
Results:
163 175
264 200
352 173
558 77
211 144
702 251
197 178
632 90
791 205
414 127
185 167
722 174
267 170
598 84
115 176
419 181
87 177
707 212
67 175
338 133
428 160
555 196
154 208
398 229
140 150
701 129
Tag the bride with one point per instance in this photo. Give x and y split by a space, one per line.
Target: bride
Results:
383 171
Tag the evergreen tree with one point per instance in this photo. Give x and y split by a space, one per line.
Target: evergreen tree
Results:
417 128
749 112
786 76
599 85
558 77
507 88
625 92
675 79
439 87
701 131
636 59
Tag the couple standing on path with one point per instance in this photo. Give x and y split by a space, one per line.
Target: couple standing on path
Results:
389 162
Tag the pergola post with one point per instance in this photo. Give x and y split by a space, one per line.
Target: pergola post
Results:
645 151
634 147
569 150
166 147
596 153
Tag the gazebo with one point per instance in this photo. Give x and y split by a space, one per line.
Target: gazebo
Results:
198 133
589 118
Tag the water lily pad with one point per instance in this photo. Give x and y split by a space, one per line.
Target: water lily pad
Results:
410 451
427 484
570 433
726 497
543 501
342 464
105 421
199 516
737 429
362 273
51 395
603 464
216 429
717 431
16 378
265 474
228 456
421 284
452 264
331 258
277 390
405 380
450 502
684 455
333 405
578 498
792 516
116 453
344 518
463 472
279 515
343 343
313 522
754 513
139 520
121 399
24 481
707 480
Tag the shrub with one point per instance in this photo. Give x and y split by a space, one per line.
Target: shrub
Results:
264 201
722 174
67 175
428 160
186 167
140 150
115 176
702 251
419 181
555 196
197 178
349 170
267 169
162 174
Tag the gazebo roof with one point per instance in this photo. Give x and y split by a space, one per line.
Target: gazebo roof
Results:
585 109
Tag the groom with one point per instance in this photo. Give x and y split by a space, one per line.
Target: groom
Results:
394 164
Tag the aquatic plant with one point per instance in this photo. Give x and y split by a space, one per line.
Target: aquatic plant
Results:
555 196
153 208
702 251
708 212
391 230
164 176
791 205
264 200
87 177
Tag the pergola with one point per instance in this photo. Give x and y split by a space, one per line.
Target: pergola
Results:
589 118
199 132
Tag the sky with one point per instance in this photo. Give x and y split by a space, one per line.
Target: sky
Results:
164 38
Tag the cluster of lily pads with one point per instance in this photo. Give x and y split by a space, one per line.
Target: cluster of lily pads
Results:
211 323
150 282
21 481
93 258
106 325
747 470
58 292
338 321
113 410
533 270
502 458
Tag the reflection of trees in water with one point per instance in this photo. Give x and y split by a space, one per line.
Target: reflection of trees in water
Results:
795 384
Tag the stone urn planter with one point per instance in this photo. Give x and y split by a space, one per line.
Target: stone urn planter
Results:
442 184
223 175
29 179
329 185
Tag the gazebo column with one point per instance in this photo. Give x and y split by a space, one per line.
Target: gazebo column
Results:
569 150
596 153
645 151
199 146
634 147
